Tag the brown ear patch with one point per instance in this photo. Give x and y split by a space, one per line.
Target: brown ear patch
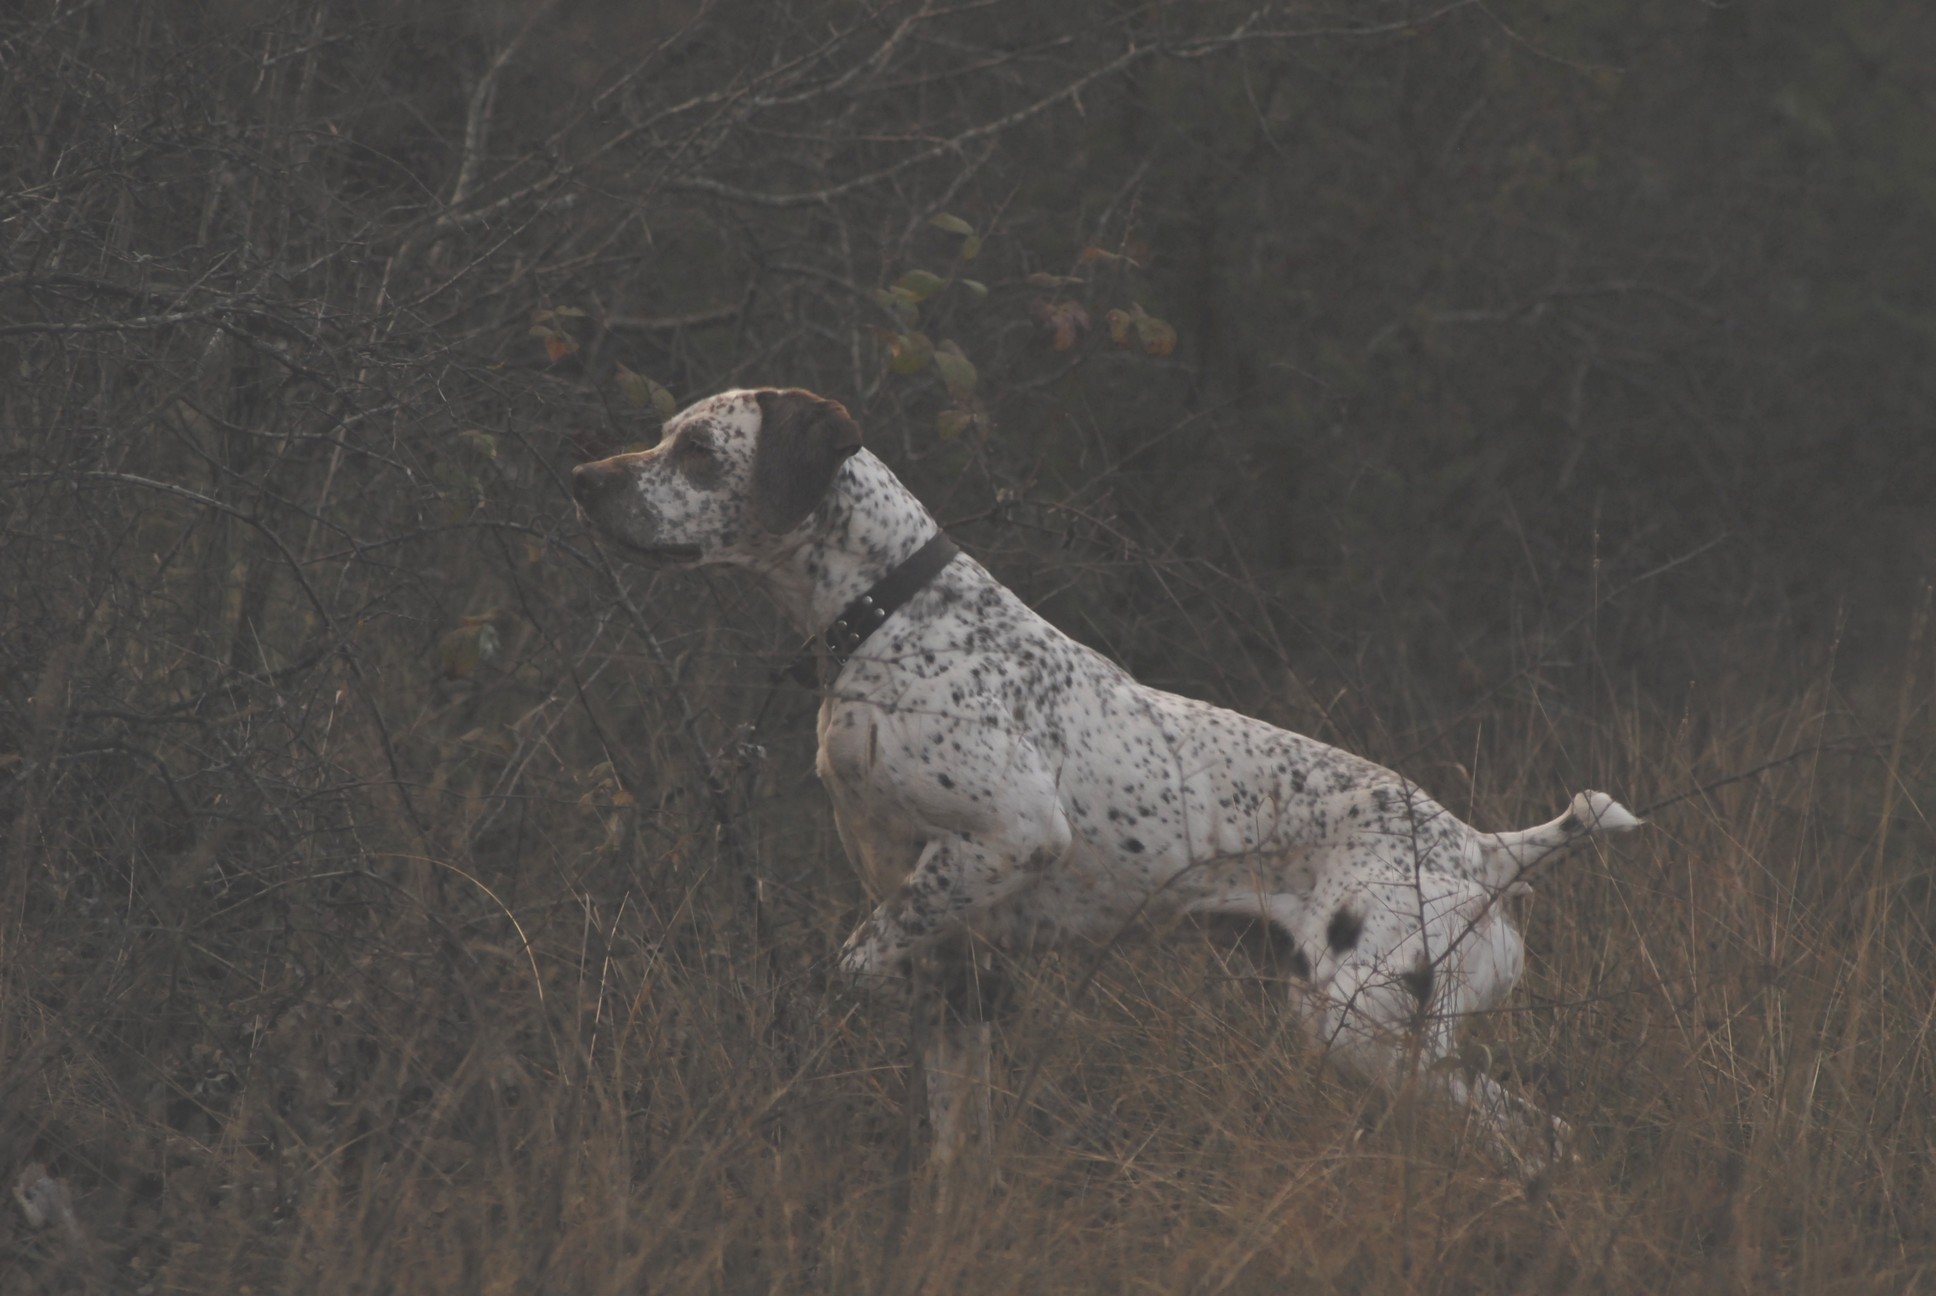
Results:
804 439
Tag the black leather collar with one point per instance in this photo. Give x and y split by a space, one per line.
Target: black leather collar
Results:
867 613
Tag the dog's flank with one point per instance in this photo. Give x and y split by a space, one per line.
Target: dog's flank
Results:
992 776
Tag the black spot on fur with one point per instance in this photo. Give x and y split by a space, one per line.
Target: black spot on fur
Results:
1343 932
1568 824
1420 981
1132 845
944 780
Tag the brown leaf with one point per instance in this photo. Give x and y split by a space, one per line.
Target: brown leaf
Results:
558 345
1065 321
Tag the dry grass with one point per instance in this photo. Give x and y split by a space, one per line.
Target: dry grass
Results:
365 1078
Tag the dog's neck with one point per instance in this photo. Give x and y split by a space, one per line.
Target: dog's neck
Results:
868 525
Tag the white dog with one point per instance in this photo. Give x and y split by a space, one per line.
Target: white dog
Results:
994 778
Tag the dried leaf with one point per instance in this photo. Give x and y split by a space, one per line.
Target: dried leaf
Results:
1064 319
909 353
951 423
461 651
976 287
953 224
557 345
1157 337
971 247
1119 326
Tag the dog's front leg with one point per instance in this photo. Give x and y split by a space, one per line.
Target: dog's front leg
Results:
956 878
920 942
956 995
960 1103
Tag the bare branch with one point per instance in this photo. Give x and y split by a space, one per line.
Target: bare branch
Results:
477 122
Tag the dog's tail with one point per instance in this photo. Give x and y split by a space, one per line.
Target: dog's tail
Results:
1507 859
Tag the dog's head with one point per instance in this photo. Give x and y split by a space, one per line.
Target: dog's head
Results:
730 477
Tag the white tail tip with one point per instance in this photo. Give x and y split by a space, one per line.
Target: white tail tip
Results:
1598 812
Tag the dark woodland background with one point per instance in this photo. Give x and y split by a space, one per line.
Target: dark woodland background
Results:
397 895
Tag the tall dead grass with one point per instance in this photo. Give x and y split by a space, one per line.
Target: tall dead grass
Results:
537 1066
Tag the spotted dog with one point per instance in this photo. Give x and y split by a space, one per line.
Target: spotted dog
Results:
992 776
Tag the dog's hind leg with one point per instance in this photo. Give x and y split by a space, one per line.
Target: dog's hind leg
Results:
1398 968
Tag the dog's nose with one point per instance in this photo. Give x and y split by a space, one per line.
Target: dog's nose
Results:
593 481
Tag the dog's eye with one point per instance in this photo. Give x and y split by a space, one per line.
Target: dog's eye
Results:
697 458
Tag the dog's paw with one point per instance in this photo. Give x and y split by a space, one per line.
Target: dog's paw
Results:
860 957
869 965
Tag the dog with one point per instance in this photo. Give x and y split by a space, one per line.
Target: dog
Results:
1001 783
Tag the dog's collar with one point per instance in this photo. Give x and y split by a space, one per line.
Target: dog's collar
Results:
867 613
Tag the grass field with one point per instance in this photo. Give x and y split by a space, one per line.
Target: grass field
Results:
612 1068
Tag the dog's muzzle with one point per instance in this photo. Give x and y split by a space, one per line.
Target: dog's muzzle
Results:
598 488
593 484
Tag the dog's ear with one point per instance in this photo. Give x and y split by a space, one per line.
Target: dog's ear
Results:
804 439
